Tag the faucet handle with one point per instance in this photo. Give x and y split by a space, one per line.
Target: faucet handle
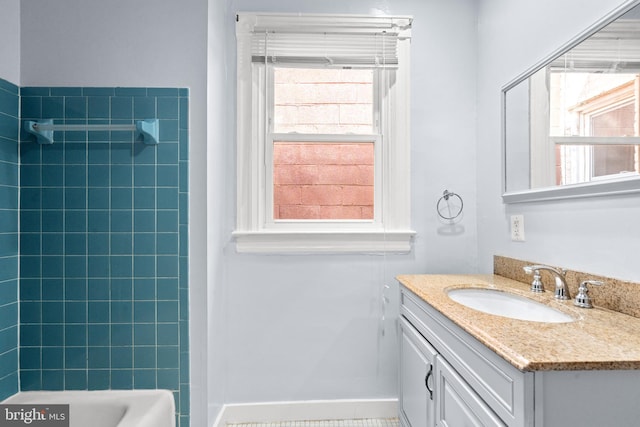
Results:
536 285
582 299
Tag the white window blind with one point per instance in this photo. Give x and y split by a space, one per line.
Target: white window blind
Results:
373 42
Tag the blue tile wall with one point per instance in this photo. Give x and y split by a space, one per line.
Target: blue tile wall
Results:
9 167
103 264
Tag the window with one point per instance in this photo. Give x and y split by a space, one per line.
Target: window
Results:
323 144
586 126
323 134
608 116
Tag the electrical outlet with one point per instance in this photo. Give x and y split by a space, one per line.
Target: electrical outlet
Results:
517 228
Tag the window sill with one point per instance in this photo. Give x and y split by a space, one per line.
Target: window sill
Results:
300 242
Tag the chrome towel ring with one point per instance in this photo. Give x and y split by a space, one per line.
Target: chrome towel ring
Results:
445 196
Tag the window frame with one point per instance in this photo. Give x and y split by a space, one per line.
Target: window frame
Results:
610 100
587 117
256 230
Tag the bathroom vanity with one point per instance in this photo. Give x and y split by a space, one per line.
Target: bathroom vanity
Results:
463 367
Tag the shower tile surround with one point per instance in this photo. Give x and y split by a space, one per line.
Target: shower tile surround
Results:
103 244
616 295
9 123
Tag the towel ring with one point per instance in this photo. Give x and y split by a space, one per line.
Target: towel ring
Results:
445 197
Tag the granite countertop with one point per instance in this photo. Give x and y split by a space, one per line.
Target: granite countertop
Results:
597 339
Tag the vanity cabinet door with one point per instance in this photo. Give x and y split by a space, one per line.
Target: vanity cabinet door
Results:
457 404
417 378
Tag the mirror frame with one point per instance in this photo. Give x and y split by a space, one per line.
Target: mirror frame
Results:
591 189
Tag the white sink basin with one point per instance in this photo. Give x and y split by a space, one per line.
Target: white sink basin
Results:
507 305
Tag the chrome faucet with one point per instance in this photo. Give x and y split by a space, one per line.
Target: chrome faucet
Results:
562 290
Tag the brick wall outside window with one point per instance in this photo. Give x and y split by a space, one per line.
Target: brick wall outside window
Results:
319 180
323 181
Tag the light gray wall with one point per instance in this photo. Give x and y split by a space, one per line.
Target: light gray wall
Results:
10 41
599 235
219 182
315 332
309 326
142 43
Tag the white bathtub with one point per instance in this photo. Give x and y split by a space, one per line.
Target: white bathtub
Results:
108 408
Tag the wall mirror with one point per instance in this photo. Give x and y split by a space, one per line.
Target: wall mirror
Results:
571 124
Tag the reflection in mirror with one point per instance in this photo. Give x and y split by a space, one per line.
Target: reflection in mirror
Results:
575 121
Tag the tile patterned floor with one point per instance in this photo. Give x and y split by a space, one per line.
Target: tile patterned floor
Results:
377 422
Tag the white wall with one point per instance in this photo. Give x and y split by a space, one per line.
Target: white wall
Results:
308 327
10 41
218 179
599 235
142 43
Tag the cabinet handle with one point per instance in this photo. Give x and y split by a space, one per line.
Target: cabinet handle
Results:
426 381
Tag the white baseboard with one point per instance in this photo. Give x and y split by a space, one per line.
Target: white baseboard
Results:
311 410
